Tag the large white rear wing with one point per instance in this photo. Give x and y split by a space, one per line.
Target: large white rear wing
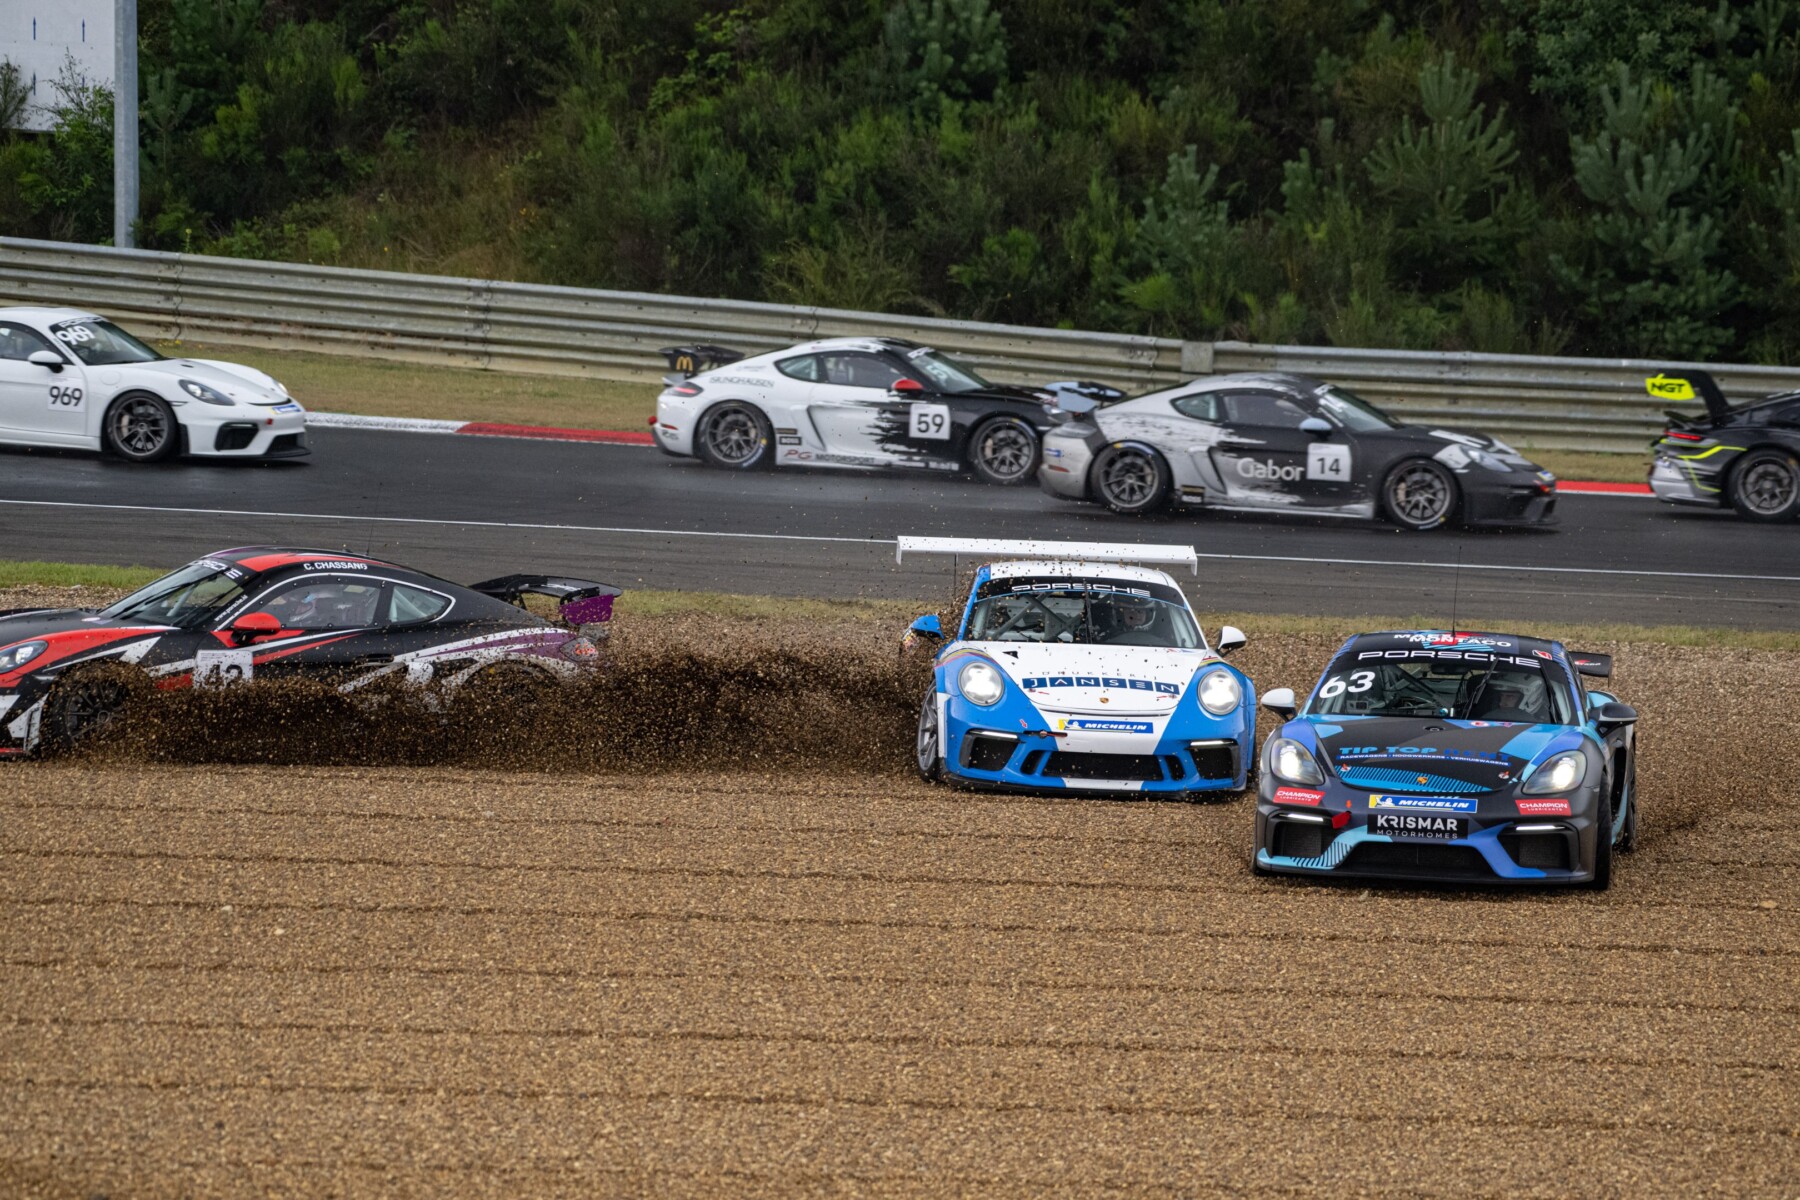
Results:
997 548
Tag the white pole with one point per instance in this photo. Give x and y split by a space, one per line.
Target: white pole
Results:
125 121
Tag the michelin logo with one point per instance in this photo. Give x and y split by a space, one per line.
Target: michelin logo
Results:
1077 725
1437 803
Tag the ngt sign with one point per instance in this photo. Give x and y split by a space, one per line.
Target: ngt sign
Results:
47 42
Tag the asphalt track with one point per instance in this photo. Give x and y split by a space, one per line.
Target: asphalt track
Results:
467 508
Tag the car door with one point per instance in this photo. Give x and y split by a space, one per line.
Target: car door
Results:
328 624
852 408
1266 459
41 404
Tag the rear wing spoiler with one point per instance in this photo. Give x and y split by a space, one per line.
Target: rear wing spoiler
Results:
1079 396
1689 384
581 601
686 361
995 548
1597 665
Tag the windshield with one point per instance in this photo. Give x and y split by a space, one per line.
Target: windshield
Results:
1075 613
945 374
190 598
1427 684
101 343
1352 412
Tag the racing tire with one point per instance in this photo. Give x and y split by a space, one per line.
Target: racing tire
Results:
1765 486
735 436
1004 451
928 751
1603 848
1131 480
1419 495
85 705
140 428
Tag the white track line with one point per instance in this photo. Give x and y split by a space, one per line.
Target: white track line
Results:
797 537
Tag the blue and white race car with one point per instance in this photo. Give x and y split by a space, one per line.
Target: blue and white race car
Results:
1072 670
1458 757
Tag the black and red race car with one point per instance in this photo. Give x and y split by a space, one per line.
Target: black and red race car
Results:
273 612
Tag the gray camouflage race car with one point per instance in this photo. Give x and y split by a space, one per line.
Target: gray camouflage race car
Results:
1275 442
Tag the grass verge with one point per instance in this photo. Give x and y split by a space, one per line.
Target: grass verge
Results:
650 602
14 574
1591 466
331 383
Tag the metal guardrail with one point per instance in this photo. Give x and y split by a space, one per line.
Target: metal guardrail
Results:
1573 403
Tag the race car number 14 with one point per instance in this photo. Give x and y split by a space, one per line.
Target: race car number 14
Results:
222 668
1328 462
930 422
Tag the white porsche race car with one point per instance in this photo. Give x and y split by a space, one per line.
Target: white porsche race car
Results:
848 402
73 379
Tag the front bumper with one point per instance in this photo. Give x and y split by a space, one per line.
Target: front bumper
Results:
1513 499
1187 754
1335 836
257 432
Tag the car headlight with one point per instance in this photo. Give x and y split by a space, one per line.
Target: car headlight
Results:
200 391
1492 462
1560 774
980 684
1293 762
1220 693
14 657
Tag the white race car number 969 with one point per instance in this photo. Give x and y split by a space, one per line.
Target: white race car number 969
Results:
930 422
65 397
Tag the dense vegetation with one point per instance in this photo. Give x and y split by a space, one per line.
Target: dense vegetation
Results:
1585 176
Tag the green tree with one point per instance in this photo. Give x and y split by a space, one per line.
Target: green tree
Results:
1644 269
1448 181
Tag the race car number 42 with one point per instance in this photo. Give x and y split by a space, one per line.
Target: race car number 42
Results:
930 422
222 668
1328 462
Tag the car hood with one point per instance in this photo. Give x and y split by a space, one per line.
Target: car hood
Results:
243 384
29 624
1411 754
1096 679
1443 443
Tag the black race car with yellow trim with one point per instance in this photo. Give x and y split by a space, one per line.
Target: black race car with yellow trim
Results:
1745 457
273 612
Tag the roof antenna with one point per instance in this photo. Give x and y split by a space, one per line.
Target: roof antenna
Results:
1455 588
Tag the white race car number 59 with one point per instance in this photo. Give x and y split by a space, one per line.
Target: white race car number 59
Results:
930 422
223 668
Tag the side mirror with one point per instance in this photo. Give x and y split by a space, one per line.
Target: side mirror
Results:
1612 714
253 625
1317 426
906 387
1230 638
927 626
1281 702
46 358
